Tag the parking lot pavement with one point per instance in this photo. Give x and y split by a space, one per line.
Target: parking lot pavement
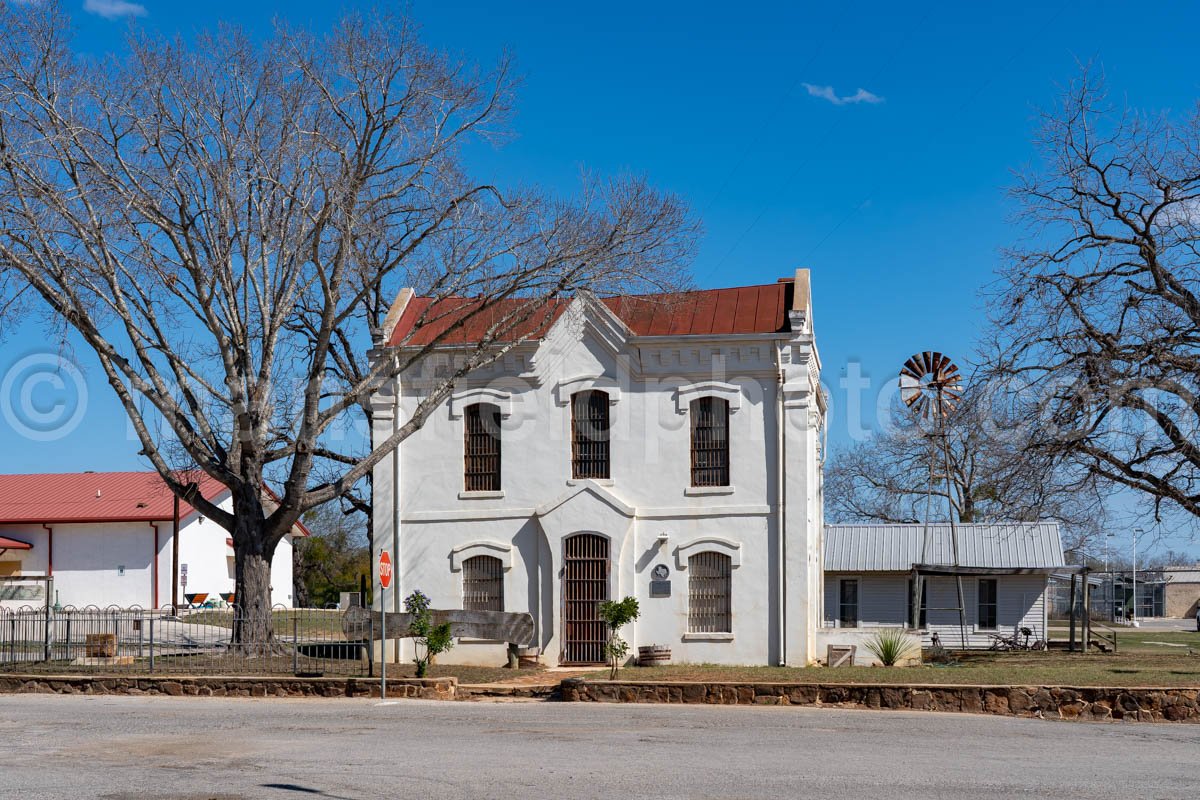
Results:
152 748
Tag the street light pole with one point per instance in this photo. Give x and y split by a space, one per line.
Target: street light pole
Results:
1136 533
1108 575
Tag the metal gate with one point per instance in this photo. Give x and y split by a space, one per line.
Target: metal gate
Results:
585 586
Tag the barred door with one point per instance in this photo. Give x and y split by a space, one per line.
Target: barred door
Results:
585 586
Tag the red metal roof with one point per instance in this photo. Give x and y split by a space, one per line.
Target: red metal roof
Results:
14 544
740 309
92 497
468 321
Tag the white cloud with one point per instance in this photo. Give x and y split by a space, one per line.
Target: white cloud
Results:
827 93
114 9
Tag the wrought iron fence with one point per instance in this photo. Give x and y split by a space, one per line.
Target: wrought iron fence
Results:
305 641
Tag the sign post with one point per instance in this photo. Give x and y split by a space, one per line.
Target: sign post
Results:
385 580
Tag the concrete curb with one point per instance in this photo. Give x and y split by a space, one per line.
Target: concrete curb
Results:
1148 704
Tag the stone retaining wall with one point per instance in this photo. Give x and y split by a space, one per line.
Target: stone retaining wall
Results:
1054 702
206 686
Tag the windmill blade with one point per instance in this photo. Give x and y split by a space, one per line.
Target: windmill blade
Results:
912 368
930 384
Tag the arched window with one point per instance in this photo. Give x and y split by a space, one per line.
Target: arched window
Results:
483 584
709 588
589 434
710 441
481 448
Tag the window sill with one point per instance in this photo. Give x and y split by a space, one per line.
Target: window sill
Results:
701 491
481 495
597 481
708 637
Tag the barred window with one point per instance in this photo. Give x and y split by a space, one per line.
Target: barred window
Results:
589 434
709 590
481 448
483 584
710 442
988 605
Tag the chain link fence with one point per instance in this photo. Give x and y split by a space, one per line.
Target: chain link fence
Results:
305 641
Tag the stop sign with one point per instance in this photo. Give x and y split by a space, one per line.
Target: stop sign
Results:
385 569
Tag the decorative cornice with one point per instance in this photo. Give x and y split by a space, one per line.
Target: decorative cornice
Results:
564 389
482 547
705 544
729 392
501 399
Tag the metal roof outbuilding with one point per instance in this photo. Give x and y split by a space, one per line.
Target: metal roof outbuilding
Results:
893 547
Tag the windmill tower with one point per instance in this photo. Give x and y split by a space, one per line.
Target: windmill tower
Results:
931 388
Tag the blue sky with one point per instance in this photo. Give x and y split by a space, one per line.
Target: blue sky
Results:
897 206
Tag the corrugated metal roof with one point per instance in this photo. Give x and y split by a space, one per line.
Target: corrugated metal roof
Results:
896 547
1181 574
736 310
91 497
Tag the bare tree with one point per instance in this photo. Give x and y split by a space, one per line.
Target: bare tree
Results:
899 475
219 221
1097 315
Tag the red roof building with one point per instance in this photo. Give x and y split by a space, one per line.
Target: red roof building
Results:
92 497
707 312
108 538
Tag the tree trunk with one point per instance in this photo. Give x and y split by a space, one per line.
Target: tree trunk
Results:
253 629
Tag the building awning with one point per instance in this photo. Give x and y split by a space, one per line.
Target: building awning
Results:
14 544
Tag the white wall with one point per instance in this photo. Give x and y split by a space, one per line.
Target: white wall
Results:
882 600
88 558
209 559
650 383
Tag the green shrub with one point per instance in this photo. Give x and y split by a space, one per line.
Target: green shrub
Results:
617 614
890 646
433 639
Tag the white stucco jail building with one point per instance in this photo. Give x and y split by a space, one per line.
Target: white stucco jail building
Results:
665 447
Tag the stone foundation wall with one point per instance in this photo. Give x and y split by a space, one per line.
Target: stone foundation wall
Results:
1054 702
186 686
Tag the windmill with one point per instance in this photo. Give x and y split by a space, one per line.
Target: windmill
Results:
931 388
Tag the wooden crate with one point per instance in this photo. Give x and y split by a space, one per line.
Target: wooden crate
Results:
100 645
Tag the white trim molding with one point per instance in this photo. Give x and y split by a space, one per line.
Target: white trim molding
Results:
497 397
564 389
730 393
704 544
702 491
482 495
495 549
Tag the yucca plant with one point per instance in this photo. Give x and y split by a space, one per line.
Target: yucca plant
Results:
890 646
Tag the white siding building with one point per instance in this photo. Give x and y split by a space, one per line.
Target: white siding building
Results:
107 539
664 447
869 573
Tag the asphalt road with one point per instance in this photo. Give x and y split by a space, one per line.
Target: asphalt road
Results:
198 749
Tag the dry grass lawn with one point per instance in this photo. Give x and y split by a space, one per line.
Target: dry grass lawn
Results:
1143 658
